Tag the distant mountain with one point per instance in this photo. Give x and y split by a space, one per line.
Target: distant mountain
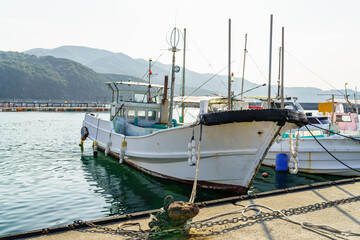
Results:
103 61
24 76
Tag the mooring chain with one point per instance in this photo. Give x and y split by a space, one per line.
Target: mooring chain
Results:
287 212
206 223
131 234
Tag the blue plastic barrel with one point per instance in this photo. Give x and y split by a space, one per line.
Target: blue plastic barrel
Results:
281 163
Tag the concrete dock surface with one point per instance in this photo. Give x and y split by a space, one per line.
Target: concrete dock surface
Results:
343 215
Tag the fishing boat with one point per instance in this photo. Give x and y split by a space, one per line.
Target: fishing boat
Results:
325 146
234 142
222 149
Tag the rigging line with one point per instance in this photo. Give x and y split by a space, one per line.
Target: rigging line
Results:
331 153
204 83
301 63
203 55
266 79
128 97
327 130
252 59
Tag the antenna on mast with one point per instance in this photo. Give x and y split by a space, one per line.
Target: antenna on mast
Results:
174 41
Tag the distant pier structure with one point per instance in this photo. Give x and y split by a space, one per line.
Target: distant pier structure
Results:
52 106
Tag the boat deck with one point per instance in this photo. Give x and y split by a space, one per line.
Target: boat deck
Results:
341 215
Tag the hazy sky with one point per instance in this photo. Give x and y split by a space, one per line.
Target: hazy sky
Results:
322 37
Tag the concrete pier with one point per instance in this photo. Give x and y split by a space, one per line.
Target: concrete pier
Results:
341 215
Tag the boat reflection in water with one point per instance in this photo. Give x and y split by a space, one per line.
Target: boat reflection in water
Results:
283 179
127 190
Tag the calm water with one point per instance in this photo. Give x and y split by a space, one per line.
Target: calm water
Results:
46 181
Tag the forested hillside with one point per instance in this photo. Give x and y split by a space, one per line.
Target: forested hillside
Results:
24 76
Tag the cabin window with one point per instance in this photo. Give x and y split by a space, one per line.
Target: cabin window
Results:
313 120
139 97
324 120
131 113
343 118
141 114
151 115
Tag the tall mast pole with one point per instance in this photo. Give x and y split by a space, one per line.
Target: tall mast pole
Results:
174 41
242 82
269 84
183 79
282 67
149 94
279 74
229 68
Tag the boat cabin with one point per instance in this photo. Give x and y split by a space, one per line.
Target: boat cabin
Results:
136 107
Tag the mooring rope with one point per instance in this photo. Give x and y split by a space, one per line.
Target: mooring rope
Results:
330 152
193 192
342 135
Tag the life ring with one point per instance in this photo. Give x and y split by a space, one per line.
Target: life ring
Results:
84 133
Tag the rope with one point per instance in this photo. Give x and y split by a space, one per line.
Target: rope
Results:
193 192
327 130
313 72
97 129
331 153
207 61
317 228
252 59
294 162
203 84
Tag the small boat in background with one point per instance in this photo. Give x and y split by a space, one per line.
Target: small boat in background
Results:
314 158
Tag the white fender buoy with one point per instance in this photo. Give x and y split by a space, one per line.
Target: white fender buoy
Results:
193 160
190 161
107 149
189 146
192 152
193 144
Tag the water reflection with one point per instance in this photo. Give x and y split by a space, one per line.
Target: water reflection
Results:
281 180
127 190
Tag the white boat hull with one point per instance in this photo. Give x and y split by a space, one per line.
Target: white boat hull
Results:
314 159
229 158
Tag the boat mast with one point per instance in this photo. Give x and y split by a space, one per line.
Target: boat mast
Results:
174 41
282 68
269 87
183 80
229 68
279 74
149 74
242 82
